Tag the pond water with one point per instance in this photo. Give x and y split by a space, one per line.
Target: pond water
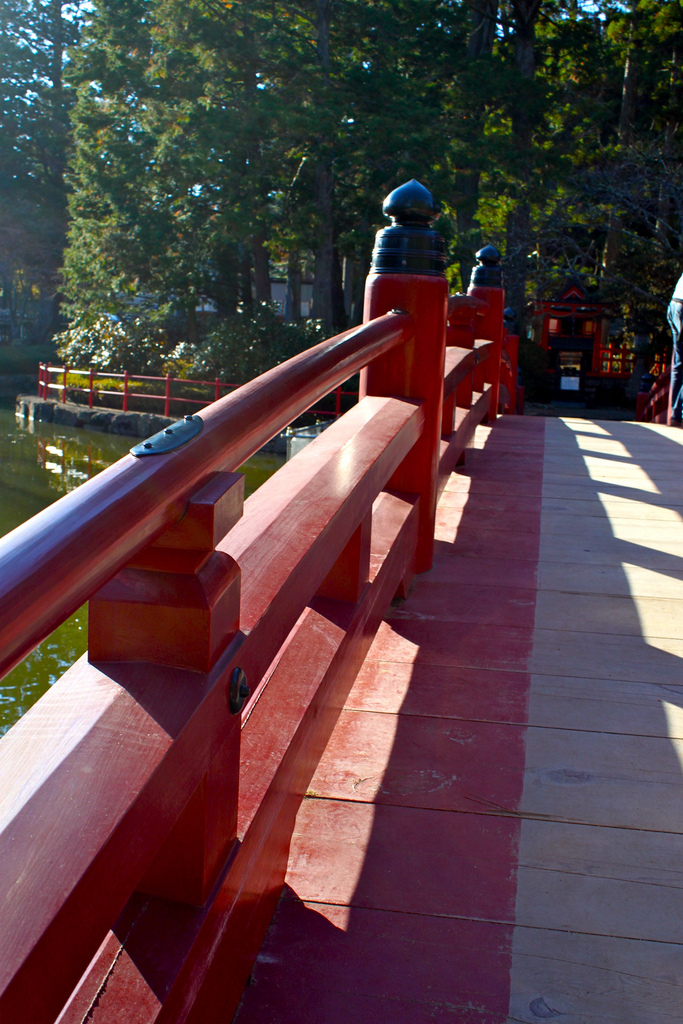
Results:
38 464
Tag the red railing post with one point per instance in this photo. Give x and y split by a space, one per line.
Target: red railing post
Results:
125 391
487 284
177 603
167 396
40 379
642 398
513 351
448 415
512 346
64 376
408 273
462 316
91 384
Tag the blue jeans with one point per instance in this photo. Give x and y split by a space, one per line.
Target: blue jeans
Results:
675 317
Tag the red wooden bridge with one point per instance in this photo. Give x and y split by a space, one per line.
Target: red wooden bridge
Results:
391 740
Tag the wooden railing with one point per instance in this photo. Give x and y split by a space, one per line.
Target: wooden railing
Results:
654 405
148 799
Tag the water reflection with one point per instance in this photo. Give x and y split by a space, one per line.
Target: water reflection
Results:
38 464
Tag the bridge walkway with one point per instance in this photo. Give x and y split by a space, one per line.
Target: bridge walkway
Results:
495 831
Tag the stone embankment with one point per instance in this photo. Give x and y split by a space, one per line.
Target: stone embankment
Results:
107 421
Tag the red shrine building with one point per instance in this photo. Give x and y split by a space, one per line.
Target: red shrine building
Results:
586 348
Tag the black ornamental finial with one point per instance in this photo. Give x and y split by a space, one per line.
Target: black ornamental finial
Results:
411 203
488 272
410 245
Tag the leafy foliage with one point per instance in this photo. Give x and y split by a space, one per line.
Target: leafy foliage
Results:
210 139
239 348
243 346
105 342
35 142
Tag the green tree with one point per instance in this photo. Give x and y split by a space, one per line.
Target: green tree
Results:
213 138
617 218
174 159
34 148
209 135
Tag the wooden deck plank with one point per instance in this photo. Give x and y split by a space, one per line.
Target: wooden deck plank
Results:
599 898
581 878
565 652
328 964
521 487
623 579
412 860
604 705
561 487
594 613
619 508
466 644
452 523
501 572
483 543
436 691
451 602
488 755
593 551
667 523
422 762
563 462
483 503
594 979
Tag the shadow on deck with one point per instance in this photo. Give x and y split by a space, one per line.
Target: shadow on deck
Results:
495 831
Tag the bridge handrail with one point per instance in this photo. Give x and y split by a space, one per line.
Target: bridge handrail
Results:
113 516
140 794
461 306
111 755
652 406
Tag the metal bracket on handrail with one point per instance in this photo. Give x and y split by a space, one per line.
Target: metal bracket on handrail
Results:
171 438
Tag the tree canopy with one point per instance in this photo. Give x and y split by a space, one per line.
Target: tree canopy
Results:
202 144
35 140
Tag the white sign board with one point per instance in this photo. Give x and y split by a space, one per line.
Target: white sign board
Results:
569 383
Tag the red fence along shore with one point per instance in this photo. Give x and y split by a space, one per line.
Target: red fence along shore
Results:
148 799
53 381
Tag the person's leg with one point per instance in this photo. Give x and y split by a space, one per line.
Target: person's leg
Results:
675 318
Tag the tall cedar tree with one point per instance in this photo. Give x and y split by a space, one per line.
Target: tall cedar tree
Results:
34 148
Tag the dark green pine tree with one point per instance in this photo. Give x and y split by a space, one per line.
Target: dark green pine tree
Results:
181 144
374 113
211 135
614 214
34 148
